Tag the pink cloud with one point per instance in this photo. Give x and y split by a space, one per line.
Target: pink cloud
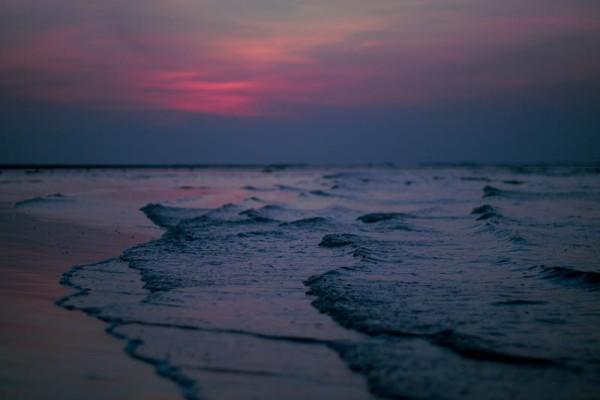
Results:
353 59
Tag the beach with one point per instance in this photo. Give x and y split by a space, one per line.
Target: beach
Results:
337 200
49 352
300 282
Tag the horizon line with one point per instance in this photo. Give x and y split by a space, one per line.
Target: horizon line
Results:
292 165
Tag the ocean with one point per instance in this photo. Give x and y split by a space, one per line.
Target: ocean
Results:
424 282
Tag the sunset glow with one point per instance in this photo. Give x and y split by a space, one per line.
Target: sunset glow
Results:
266 61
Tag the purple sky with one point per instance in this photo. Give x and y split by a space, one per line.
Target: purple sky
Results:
317 81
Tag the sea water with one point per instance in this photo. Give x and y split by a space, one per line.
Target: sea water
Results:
428 282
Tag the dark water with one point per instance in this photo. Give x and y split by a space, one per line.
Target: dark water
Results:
428 283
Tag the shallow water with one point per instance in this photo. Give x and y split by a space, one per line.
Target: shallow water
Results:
437 282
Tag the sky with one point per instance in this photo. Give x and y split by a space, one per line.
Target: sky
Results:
276 81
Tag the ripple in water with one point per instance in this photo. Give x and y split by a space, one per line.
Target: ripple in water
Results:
388 290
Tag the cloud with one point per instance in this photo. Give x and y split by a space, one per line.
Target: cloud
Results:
275 59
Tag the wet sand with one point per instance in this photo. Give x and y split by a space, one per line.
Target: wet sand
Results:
47 351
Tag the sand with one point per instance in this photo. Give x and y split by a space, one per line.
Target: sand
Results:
46 351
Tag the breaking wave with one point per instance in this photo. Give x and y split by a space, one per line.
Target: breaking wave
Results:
421 290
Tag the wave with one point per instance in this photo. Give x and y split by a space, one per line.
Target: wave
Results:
49 199
166 216
380 217
491 191
556 170
519 302
331 298
475 179
473 347
339 240
485 212
322 193
251 188
312 222
570 276
444 311
256 216
342 175
288 188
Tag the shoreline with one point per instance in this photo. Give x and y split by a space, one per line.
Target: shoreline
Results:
245 293
46 350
